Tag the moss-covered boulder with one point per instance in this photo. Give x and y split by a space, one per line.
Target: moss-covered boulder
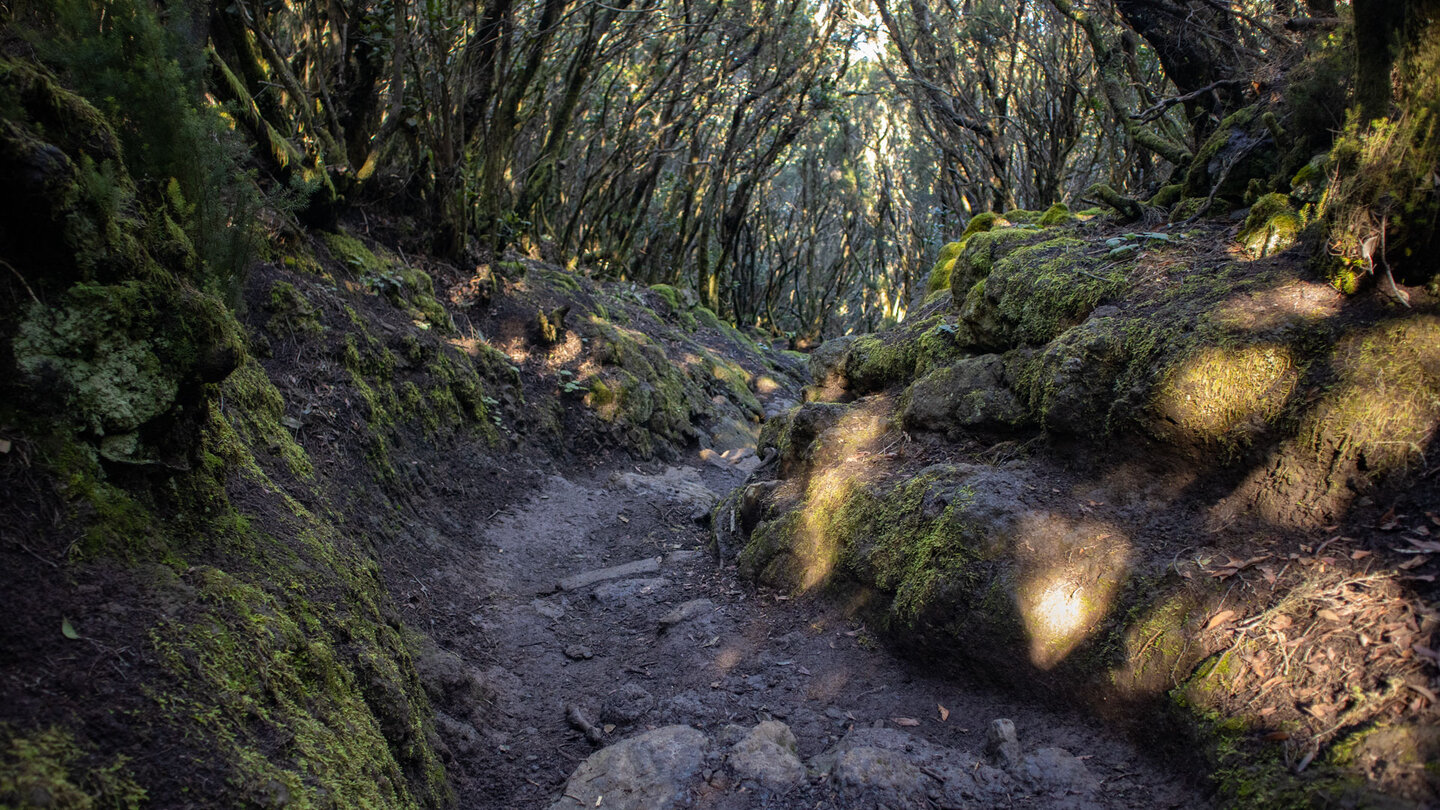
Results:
1272 226
1057 214
1242 149
939 278
972 393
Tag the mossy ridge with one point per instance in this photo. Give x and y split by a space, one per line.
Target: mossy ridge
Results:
651 397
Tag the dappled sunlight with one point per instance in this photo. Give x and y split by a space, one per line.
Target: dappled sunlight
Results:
563 353
845 460
1220 391
1074 571
1293 302
1378 416
766 385
728 657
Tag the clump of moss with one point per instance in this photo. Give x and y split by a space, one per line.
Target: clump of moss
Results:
1039 290
939 278
675 304
979 255
1225 394
1057 214
291 312
1167 196
1272 226
1021 216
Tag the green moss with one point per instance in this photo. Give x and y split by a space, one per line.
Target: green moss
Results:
1167 196
979 255
352 253
878 361
1039 290
675 304
939 278
259 410
48 768
1020 216
708 319
1057 214
254 669
1271 227
291 312
1385 400
980 223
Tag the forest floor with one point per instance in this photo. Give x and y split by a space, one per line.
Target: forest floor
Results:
612 651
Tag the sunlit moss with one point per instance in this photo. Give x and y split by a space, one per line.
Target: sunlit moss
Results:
1219 392
939 278
1271 227
1386 400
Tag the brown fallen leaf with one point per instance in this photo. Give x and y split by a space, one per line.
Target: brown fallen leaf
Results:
944 713
1388 521
1360 554
1276 736
1413 563
1219 619
908 722
1281 621
1329 615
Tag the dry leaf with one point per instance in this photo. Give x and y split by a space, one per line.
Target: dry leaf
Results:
944 713
1219 619
1387 520
1277 736
1360 554
4 445
908 722
1412 563
1328 615
1281 621
1423 546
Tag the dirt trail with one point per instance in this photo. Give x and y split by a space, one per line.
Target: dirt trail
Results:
634 653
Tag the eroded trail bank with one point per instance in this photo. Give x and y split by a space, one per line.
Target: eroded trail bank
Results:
598 618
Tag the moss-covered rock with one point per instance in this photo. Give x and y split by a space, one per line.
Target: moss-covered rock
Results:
970 394
979 255
939 278
1057 214
1241 149
1272 226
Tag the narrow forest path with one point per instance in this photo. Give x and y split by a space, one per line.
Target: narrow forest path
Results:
675 639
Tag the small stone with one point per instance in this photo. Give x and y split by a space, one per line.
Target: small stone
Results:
685 612
1002 746
578 652
767 758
